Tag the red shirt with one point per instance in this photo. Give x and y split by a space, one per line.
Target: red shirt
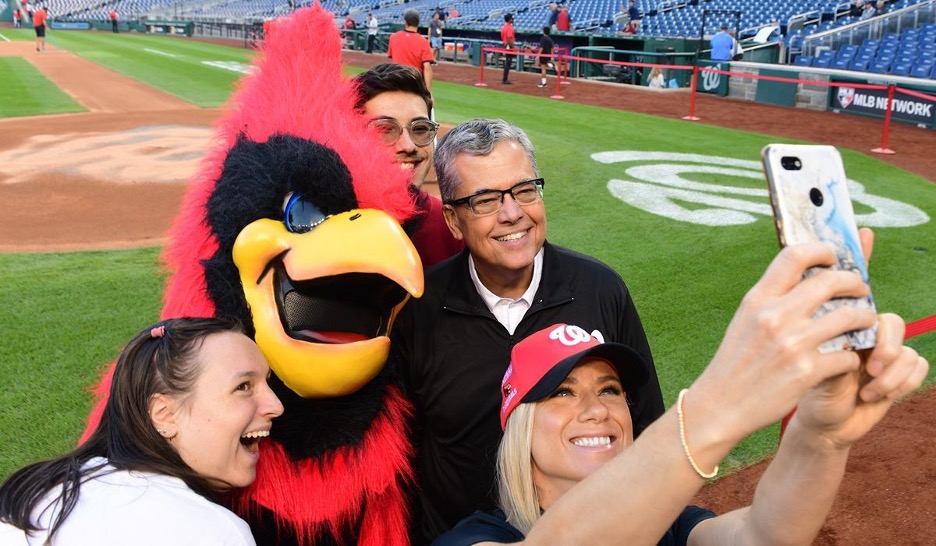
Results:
562 22
39 18
410 49
507 35
433 239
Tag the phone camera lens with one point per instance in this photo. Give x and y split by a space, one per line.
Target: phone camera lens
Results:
791 163
816 197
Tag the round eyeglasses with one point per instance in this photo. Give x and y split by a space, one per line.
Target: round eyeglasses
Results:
487 202
421 131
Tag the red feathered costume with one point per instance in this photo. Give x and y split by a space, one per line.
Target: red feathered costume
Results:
292 225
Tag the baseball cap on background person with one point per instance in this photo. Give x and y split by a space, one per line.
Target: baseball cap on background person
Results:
542 361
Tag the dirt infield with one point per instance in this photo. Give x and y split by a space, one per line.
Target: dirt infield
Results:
114 177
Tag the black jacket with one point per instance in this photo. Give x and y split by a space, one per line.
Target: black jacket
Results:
453 354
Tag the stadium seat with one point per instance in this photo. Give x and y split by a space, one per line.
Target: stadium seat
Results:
879 67
803 60
900 70
860 65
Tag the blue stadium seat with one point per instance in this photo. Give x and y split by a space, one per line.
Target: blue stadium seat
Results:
860 65
901 69
822 62
803 60
922 70
879 67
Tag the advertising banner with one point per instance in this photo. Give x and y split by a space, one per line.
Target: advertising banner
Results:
873 102
177 28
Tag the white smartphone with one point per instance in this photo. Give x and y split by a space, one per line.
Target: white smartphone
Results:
809 195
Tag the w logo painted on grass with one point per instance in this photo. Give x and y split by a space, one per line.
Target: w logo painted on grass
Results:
656 184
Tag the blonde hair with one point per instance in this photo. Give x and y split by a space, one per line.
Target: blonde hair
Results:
518 497
656 70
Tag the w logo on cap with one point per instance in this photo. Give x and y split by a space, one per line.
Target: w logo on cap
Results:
570 336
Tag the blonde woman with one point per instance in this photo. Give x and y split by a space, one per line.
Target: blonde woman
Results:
656 79
571 473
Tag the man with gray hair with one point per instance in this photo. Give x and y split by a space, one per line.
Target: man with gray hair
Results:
454 343
408 47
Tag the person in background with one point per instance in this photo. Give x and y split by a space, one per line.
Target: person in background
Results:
633 12
17 18
372 28
563 20
434 33
508 41
397 103
39 19
571 473
408 48
656 79
545 48
880 8
188 403
509 283
722 45
349 23
552 16
856 9
114 18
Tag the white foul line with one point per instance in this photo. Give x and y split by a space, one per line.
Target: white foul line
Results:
156 51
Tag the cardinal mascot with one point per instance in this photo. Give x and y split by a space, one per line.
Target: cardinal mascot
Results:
292 225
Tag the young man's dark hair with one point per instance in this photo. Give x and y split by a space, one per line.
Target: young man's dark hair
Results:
508 17
390 77
411 18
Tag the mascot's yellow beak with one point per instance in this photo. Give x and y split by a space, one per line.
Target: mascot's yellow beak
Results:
323 302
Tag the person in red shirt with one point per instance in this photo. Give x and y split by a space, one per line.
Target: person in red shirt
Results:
563 21
409 48
508 38
395 100
17 18
39 24
113 19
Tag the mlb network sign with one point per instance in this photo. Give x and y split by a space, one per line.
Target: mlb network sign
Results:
873 102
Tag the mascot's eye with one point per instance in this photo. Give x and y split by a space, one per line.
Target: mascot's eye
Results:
300 215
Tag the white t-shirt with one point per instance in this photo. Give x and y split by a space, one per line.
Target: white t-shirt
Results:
136 508
372 26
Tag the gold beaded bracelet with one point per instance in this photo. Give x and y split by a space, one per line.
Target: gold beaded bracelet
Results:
682 438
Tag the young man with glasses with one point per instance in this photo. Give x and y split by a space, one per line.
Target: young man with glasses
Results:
454 343
397 102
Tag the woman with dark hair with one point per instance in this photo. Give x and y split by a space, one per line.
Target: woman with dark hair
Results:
188 403
570 471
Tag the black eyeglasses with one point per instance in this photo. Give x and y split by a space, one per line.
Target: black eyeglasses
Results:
487 202
421 131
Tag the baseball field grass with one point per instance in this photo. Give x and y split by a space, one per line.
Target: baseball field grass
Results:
26 92
678 209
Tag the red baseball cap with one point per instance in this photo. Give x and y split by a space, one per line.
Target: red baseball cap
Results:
542 361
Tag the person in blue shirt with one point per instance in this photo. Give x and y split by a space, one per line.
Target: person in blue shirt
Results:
722 45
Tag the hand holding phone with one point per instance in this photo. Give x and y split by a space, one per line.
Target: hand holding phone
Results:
809 196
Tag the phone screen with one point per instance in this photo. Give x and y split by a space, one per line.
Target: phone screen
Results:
809 196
